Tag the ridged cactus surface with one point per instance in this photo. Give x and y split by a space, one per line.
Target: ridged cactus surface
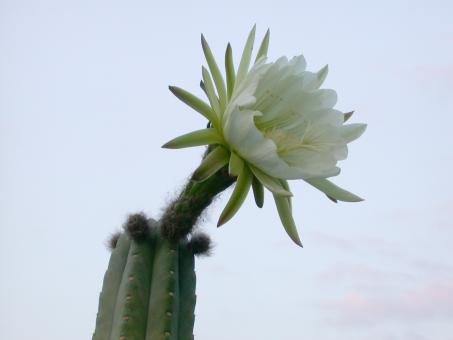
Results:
149 289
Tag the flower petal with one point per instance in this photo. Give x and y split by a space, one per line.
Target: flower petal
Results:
351 132
333 191
244 94
248 142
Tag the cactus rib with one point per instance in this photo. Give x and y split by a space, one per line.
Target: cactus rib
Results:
148 291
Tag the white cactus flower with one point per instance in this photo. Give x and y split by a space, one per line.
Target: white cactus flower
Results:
270 123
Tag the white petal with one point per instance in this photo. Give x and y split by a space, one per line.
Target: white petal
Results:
247 141
351 132
244 94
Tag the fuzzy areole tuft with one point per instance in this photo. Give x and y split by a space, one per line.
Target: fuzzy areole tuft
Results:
113 240
200 244
182 214
137 226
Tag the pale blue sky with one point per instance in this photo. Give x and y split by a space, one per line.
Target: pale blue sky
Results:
84 109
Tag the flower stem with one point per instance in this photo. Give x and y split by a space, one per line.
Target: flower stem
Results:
182 214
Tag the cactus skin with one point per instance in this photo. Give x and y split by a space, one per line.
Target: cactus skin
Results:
148 291
149 286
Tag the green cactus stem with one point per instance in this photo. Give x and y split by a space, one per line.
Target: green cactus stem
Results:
182 214
149 286
148 291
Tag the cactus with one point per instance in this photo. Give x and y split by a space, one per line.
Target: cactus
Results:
149 286
270 124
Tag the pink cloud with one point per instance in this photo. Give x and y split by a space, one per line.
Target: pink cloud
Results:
432 301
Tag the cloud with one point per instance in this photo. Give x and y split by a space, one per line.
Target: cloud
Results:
428 302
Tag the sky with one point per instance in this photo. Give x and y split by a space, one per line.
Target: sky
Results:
84 109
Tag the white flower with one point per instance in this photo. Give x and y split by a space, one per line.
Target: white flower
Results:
271 123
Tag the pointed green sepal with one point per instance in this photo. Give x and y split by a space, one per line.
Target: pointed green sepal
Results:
216 75
195 103
332 199
258 192
203 87
289 198
238 196
229 70
347 115
322 74
333 191
246 56
270 183
286 217
236 164
212 163
195 138
210 91
262 52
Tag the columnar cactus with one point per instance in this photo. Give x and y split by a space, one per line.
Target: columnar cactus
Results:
149 287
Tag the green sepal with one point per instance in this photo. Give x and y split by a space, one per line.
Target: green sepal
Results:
289 198
332 199
262 52
347 115
195 138
270 183
229 70
210 91
203 87
235 165
213 162
322 74
333 191
246 56
258 192
195 103
216 75
284 211
238 196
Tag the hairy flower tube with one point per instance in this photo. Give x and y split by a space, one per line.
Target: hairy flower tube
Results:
269 122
